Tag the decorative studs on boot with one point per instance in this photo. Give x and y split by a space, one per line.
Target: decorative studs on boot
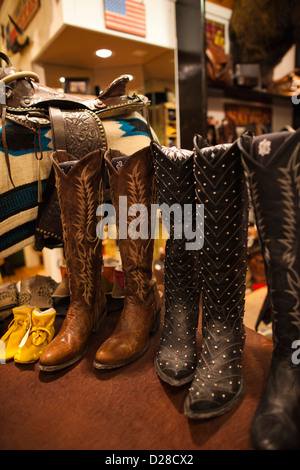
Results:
176 358
219 383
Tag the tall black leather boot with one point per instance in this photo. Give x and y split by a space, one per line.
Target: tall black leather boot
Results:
220 185
272 163
176 358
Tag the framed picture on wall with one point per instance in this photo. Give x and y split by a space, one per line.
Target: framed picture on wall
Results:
215 33
242 115
19 18
217 24
24 12
78 86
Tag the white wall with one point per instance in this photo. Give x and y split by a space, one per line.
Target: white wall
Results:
54 14
160 19
46 24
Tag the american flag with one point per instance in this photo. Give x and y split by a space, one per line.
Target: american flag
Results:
128 16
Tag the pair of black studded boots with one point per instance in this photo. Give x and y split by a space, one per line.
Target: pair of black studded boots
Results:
215 177
214 266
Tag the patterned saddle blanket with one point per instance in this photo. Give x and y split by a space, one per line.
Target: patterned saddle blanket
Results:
37 120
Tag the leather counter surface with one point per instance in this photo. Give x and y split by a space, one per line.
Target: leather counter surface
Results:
123 409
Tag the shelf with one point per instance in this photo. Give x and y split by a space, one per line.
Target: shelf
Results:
163 121
246 94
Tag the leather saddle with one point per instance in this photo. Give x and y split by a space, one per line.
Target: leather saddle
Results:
75 123
32 105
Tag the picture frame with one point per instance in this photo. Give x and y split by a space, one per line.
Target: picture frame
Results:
78 86
217 24
19 19
24 12
243 114
215 33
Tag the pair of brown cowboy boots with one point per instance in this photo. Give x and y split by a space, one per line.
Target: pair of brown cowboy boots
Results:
80 187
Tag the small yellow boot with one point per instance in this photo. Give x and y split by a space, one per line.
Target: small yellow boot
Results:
17 329
41 333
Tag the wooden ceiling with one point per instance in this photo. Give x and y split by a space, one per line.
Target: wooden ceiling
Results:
75 47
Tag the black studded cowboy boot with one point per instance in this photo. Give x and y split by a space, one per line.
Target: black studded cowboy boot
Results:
176 358
272 163
219 383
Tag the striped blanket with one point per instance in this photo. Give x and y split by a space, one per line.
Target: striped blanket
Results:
19 204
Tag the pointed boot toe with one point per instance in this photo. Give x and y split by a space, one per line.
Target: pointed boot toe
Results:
174 372
47 359
119 350
111 354
262 441
196 409
210 403
268 433
59 355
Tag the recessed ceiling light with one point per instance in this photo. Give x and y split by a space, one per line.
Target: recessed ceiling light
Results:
104 53
62 79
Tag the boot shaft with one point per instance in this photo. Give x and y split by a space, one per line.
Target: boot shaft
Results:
132 177
80 192
273 179
176 197
174 174
221 187
272 166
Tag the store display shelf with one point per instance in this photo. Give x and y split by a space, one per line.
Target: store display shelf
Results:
245 94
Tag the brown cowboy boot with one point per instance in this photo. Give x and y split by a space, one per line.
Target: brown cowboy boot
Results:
79 190
132 176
